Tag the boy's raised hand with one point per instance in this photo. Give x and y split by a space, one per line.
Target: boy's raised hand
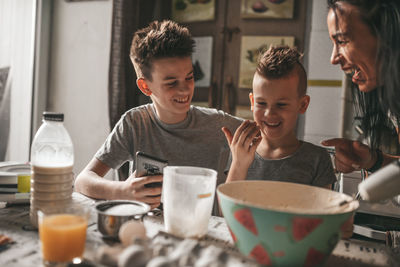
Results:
243 145
134 188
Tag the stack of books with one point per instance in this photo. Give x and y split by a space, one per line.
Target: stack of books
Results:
9 172
8 183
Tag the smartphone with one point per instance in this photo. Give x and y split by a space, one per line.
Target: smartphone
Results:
147 165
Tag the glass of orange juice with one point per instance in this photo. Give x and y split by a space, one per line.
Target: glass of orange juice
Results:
63 234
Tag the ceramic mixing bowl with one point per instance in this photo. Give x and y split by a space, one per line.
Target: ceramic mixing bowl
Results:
284 224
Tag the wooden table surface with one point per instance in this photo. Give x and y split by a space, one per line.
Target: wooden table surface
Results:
25 249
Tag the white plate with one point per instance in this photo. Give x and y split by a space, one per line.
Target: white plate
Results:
15 167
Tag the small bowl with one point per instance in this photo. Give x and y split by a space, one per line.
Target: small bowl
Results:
284 224
112 214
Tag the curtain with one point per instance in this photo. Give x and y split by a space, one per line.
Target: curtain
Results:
5 101
128 16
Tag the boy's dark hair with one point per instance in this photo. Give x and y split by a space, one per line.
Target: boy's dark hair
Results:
159 40
279 62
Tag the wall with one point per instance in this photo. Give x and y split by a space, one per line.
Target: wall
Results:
78 74
324 117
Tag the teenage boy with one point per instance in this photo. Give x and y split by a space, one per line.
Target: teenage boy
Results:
268 148
169 128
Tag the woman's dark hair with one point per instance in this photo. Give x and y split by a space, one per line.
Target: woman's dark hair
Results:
383 19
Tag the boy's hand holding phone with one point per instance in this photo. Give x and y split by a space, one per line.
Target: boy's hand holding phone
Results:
136 187
146 182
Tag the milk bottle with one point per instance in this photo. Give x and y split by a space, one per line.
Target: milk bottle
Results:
52 159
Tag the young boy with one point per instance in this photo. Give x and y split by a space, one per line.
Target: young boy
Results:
279 96
169 128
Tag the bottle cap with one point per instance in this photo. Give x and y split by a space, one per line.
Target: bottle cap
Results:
53 116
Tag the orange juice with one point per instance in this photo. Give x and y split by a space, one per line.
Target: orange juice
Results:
63 237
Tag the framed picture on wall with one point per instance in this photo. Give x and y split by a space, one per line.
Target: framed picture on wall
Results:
202 59
280 9
193 10
251 47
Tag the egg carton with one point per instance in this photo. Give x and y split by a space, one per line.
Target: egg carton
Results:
167 250
208 251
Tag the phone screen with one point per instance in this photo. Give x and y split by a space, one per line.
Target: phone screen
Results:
147 165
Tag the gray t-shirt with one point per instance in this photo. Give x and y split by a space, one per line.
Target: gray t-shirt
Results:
310 164
196 141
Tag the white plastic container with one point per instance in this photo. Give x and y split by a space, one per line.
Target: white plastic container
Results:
188 197
52 160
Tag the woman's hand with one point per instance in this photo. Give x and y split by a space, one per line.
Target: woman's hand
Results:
243 146
351 155
134 188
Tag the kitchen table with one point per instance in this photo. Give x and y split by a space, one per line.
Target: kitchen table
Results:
24 250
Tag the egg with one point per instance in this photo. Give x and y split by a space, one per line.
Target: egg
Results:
131 230
161 261
134 255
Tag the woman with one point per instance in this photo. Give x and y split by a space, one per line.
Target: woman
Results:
366 44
